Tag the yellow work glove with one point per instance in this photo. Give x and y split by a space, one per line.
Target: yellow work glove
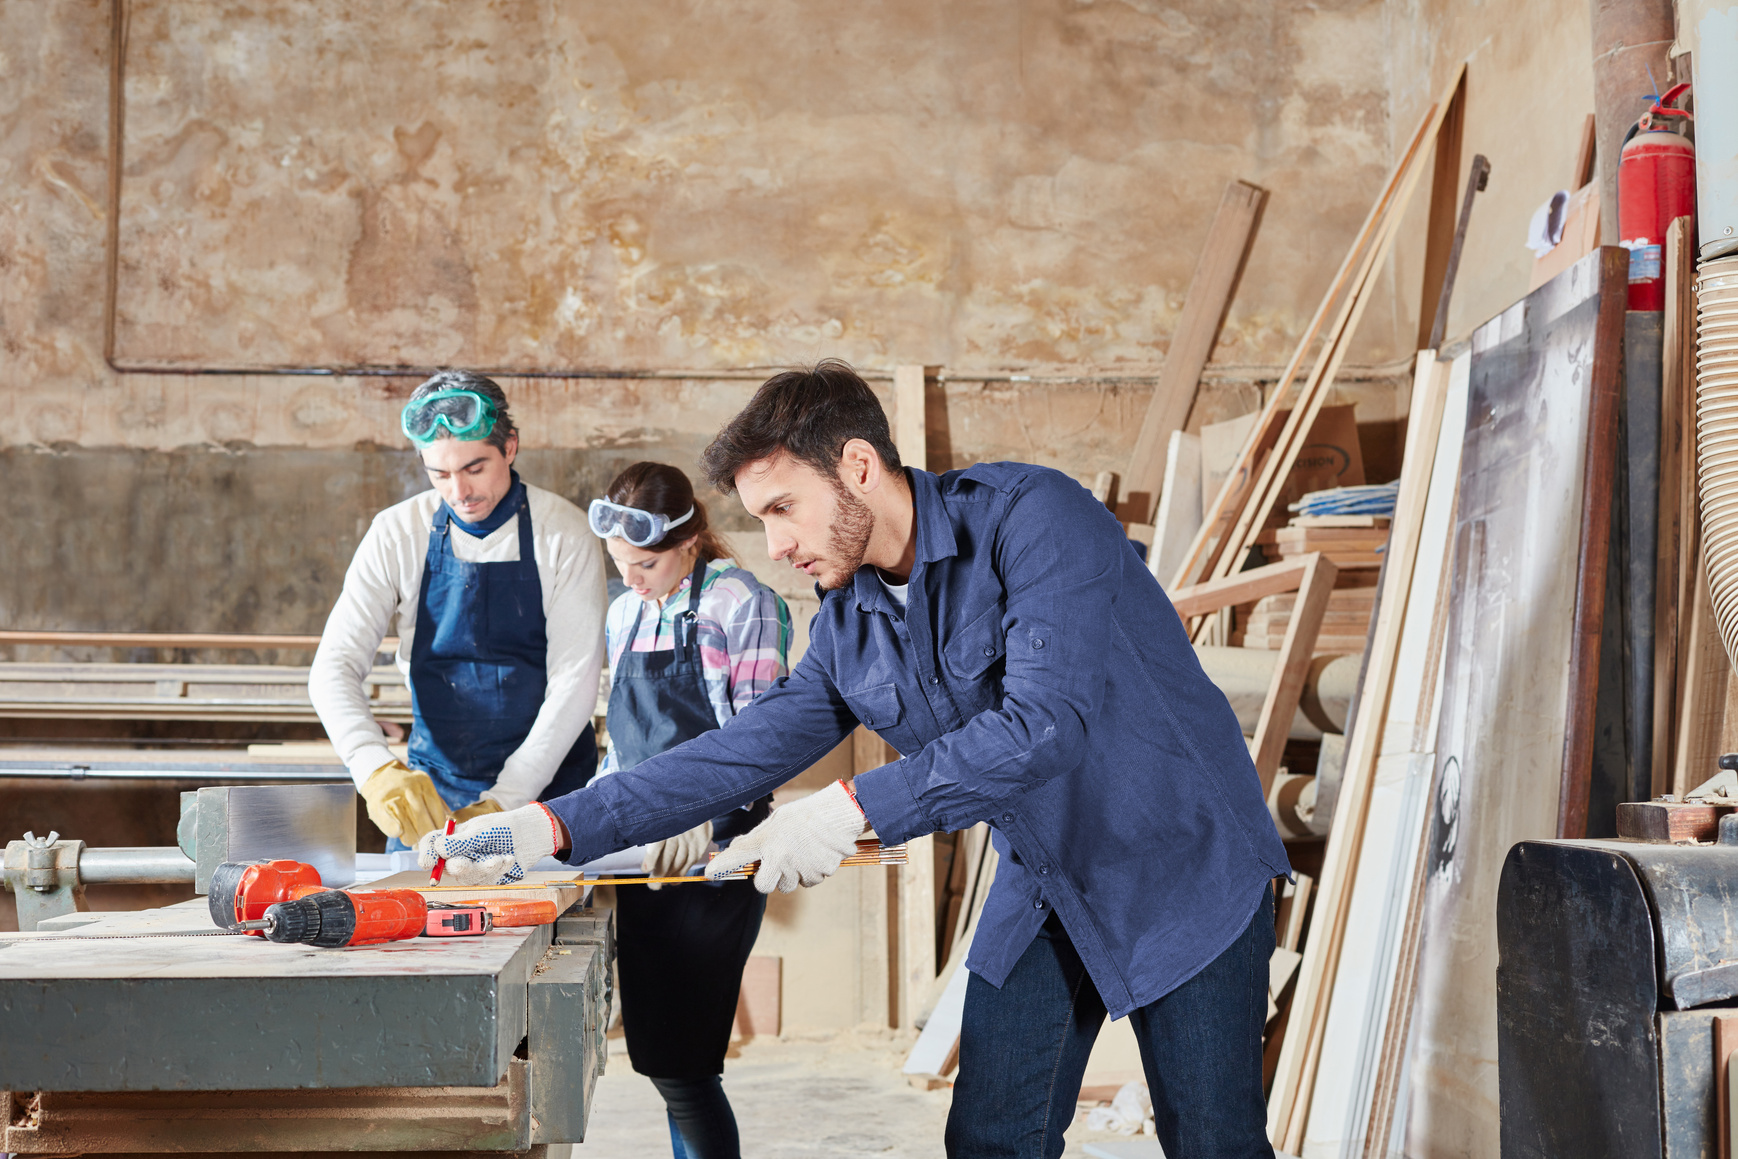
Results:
673 856
403 802
482 808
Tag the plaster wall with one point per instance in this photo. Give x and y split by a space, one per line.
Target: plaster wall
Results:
1529 90
987 186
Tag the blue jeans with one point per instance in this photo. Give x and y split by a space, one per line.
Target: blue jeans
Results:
1023 1050
702 1125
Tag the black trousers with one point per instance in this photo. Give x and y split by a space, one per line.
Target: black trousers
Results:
680 952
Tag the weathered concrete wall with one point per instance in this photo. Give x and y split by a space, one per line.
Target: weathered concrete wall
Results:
665 183
1529 90
552 184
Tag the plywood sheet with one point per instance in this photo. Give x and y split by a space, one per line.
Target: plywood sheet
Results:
1507 715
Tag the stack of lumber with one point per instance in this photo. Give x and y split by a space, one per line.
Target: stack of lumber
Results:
1348 547
1345 624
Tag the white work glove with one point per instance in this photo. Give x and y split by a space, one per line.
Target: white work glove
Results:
493 849
672 856
802 843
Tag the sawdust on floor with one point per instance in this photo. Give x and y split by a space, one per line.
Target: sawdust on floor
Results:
796 1098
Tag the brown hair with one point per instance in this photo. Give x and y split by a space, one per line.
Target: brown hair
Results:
807 414
665 490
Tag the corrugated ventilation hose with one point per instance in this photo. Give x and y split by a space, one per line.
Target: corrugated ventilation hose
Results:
1717 437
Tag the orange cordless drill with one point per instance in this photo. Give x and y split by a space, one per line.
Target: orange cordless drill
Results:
332 918
245 894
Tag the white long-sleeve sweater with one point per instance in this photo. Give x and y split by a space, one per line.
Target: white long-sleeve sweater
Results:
385 579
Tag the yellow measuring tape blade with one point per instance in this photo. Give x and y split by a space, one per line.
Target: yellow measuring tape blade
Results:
868 853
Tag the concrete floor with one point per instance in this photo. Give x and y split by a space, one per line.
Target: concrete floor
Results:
840 1097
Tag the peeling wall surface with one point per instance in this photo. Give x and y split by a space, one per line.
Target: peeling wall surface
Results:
669 183
988 186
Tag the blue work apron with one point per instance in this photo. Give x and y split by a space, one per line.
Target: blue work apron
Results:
680 951
479 668
659 699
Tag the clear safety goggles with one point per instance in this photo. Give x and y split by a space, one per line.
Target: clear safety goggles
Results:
466 415
639 528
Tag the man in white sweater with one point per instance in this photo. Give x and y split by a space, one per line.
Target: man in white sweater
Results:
499 592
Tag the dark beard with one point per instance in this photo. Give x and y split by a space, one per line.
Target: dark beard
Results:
853 523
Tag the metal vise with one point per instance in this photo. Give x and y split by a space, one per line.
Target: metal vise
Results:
311 823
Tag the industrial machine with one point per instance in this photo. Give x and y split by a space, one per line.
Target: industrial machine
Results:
1618 964
171 1030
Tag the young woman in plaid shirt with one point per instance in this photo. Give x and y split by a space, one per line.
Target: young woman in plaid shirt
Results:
692 641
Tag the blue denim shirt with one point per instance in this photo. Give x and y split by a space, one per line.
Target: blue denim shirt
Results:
1039 680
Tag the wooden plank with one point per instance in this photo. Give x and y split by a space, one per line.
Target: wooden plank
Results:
875 973
1677 511
1210 541
1605 398
1289 1102
917 965
1241 588
1476 180
1669 822
1704 675
1209 299
1179 515
1440 231
1103 488
1502 741
910 416
1274 725
1296 912
173 640
1376 913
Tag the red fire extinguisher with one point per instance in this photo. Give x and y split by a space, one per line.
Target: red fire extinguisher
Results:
1656 184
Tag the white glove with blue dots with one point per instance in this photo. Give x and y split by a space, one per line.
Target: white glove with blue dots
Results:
494 849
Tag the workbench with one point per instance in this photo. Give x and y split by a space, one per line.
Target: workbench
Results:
148 1032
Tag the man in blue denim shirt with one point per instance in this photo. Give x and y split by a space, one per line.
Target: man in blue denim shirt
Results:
995 626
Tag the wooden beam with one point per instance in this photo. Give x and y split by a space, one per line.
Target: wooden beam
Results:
1295 653
1477 176
910 416
1606 401
1440 232
1211 290
1704 675
172 640
877 894
1677 513
1242 588
916 928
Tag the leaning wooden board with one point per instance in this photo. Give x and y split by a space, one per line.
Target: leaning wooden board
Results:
1517 713
1376 914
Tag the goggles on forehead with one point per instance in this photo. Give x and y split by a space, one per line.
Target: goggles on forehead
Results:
466 415
639 528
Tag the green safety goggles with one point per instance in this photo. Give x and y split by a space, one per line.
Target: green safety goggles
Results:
466 415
